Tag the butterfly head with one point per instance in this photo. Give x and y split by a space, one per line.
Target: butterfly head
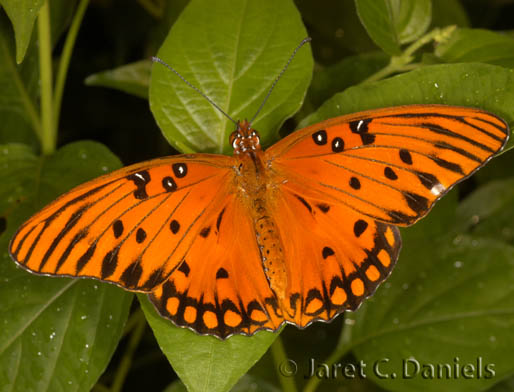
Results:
244 138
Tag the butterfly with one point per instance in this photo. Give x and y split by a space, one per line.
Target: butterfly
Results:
297 233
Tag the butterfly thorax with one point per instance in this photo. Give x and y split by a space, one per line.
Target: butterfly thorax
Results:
255 189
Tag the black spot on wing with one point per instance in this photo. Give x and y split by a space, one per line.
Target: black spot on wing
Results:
355 183
327 251
359 227
337 145
221 273
117 228
389 173
130 277
205 231
174 226
184 268
109 263
323 207
140 179
140 235
179 169
405 156
417 203
427 180
360 127
169 184
320 137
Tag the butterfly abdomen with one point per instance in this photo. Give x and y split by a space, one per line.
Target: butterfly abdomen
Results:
270 247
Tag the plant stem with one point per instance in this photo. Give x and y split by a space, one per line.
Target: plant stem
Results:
403 62
154 8
25 98
65 61
343 347
126 361
279 357
48 139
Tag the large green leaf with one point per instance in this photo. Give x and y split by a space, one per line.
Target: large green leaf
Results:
479 85
205 363
23 14
233 63
391 23
57 334
449 301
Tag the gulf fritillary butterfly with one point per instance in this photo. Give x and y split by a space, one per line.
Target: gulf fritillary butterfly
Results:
298 233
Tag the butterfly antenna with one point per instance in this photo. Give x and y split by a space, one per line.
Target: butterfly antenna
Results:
158 60
304 41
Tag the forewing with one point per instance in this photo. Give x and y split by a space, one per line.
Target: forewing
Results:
390 164
130 227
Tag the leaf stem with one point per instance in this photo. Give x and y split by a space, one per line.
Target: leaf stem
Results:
403 62
48 137
26 100
344 346
154 8
279 357
64 62
126 361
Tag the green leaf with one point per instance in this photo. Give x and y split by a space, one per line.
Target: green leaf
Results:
479 85
246 383
391 23
488 209
348 72
131 78
57 334
234 64
22 14
205 363
61 14
477 45
19 86
449 12
448 303
334 29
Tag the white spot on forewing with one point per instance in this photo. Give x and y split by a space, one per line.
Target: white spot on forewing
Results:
359 124
140 176
437 189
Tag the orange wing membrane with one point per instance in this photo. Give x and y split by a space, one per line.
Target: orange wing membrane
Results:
114 228
299 233
391 164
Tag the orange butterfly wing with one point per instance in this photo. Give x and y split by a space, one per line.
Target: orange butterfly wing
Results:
221 289
131 227
390 164
335 256
343 182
